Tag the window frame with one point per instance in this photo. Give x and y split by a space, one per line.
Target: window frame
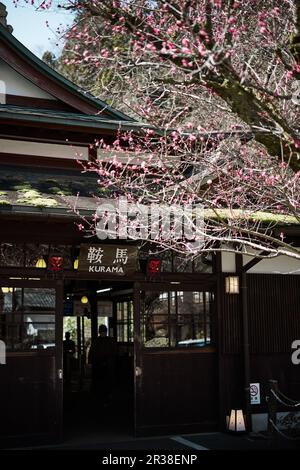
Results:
127 322
209 287
30 284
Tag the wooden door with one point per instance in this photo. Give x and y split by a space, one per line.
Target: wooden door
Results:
176 369
31 378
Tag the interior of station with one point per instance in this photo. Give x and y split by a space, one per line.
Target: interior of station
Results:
84 409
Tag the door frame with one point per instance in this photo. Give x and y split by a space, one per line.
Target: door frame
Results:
200 285
56 284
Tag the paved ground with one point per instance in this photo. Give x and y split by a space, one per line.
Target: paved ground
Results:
211 441
98 429
186 442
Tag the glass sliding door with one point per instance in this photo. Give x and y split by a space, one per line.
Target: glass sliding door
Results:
176 366
177 318
31 379
27 318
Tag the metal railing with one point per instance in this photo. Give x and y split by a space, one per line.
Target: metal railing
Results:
276 396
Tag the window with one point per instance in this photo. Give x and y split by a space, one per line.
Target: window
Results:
125 321
27 318
27 255
177 318
11 254
172 262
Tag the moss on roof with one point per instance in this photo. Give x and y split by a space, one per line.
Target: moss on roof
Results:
34 198
4 202
49 182
260 216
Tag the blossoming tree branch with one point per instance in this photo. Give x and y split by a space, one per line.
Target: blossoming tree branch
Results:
217 82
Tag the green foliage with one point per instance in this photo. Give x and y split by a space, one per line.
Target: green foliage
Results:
99 81
49 58
70 325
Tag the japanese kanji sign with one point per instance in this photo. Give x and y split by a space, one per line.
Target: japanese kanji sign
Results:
118 260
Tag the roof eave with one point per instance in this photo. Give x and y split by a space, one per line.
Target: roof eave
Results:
38 64
48 213
62 122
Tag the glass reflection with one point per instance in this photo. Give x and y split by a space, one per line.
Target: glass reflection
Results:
27 318
177 318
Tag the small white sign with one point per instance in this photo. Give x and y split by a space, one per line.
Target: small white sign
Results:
255 394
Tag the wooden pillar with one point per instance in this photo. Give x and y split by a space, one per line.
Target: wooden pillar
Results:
94 312
246 348
245 337
114 319
59 309
219 334
79 350
94 315
138 366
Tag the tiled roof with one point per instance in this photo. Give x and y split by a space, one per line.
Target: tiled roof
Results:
66 118
54 190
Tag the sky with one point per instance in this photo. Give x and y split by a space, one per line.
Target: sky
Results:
30 26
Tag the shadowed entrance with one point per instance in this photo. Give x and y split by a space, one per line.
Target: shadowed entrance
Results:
86 306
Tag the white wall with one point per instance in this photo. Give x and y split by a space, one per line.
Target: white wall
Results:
17 85
132 158
228 262
279 265
21 147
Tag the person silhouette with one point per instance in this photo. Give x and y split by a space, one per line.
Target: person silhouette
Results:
102 357
69 349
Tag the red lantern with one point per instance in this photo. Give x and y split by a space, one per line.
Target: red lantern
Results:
55 263
154 266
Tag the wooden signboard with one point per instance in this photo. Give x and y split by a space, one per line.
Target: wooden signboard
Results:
118 260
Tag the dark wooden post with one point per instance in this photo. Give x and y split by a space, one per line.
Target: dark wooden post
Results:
59 353
219 334
137 356
246 346
94 320
83 355
246 352
79 351
94 313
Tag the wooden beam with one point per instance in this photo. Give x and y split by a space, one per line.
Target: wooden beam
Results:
238 262
42 103
58 135
39 161
253 262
